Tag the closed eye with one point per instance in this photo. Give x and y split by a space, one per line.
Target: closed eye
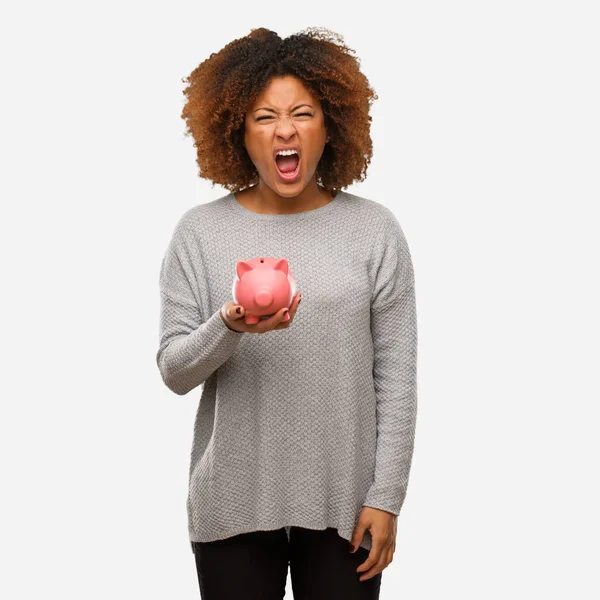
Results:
297 115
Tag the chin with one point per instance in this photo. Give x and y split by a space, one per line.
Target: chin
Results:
288 190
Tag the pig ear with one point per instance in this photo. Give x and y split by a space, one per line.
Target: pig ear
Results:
281 265
242 267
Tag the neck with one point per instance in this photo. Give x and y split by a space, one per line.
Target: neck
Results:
267 201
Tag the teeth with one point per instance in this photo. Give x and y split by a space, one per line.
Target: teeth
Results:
286 152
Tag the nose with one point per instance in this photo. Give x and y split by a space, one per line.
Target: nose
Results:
263 298
281 129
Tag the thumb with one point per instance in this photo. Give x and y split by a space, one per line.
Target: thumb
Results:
232 311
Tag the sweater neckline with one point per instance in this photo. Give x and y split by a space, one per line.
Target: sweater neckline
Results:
287 217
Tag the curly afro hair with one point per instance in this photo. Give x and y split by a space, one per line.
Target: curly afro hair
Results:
224 86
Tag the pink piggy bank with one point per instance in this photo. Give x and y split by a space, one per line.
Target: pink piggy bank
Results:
263 286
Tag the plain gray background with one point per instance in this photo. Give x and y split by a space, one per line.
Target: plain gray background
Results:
486 147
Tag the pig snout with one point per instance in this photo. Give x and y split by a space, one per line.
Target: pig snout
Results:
263 298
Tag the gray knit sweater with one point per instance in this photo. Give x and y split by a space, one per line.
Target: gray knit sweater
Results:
305 425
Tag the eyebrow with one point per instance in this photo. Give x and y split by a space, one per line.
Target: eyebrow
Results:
272 110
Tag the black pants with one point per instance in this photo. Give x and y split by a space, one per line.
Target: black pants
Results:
254 566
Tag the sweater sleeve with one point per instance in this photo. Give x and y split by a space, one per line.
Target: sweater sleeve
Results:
394 334
192 345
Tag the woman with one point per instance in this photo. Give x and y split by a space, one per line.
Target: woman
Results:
303 438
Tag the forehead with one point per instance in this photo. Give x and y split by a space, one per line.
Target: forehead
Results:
282 93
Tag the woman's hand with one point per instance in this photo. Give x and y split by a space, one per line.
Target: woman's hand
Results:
382 526
235 320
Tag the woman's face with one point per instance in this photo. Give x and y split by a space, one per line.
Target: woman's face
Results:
285 114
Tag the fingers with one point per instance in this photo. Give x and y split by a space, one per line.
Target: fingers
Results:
279 319
293 308
378 567
357 535
230 311
273 321
295 303
376 561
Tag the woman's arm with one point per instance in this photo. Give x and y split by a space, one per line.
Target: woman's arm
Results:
192 345
394 332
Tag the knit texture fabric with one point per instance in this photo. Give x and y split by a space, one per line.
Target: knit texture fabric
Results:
306 425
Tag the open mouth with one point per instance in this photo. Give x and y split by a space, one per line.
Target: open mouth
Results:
288 167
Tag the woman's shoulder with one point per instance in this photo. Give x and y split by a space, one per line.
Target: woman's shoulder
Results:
373 212
204 217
